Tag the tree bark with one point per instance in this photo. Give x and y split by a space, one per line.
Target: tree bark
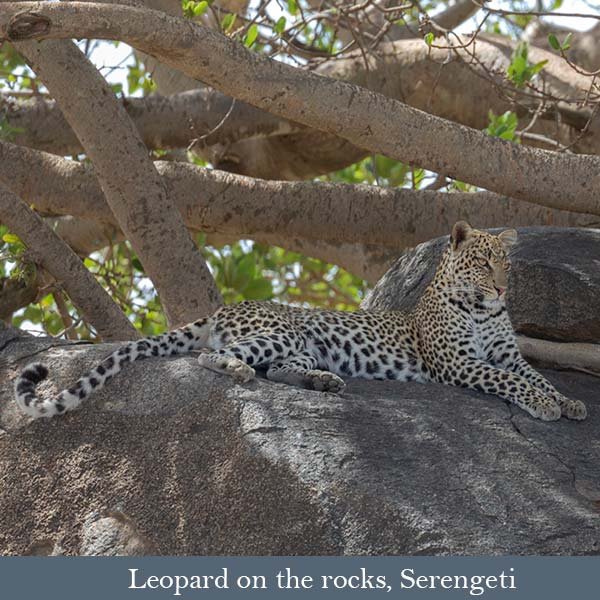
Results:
162 122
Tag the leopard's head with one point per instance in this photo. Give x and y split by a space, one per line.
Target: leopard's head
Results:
479 262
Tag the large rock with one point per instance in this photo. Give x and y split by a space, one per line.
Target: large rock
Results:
173 459
554 286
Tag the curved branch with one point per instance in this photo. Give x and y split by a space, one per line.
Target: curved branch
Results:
61 262
368 120
132 187
460 90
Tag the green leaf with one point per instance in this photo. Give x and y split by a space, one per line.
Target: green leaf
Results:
567 43
199 8
553 41
11 238
429 37
280 25
538 67
292 7
503 126
227 22
520 70
247 264
518 65
136 264
417 177
251 35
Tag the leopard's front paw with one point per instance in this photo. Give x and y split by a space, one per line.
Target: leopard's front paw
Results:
241 372
574 409
324 381
228 365
546 410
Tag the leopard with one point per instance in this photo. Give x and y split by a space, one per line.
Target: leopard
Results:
459 334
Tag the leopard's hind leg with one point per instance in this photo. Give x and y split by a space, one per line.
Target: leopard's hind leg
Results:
300 371
238 358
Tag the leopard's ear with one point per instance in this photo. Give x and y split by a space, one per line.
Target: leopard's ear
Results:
508 238
461 232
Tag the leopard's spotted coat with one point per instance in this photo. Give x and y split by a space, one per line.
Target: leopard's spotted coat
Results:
459 334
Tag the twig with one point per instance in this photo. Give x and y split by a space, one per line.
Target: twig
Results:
63 311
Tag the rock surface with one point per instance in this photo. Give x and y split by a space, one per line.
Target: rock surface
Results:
554 286
173 459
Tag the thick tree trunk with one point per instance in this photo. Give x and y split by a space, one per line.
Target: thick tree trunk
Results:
132 187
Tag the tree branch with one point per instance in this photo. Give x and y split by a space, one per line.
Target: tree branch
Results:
455 15
163 122
420 76
61 262
218 202
366 119
560 355
132 187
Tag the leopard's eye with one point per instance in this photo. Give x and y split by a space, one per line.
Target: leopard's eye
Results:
482 261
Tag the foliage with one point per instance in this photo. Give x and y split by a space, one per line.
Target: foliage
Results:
194 9
243 271
503 126
248 271
374 170
138 79
560 46
14 73
521 71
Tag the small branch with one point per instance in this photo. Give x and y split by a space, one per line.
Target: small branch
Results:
534 13
66 267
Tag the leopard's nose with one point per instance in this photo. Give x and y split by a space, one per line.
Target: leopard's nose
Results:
500 290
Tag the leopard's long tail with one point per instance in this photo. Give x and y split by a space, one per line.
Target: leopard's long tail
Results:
179 341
